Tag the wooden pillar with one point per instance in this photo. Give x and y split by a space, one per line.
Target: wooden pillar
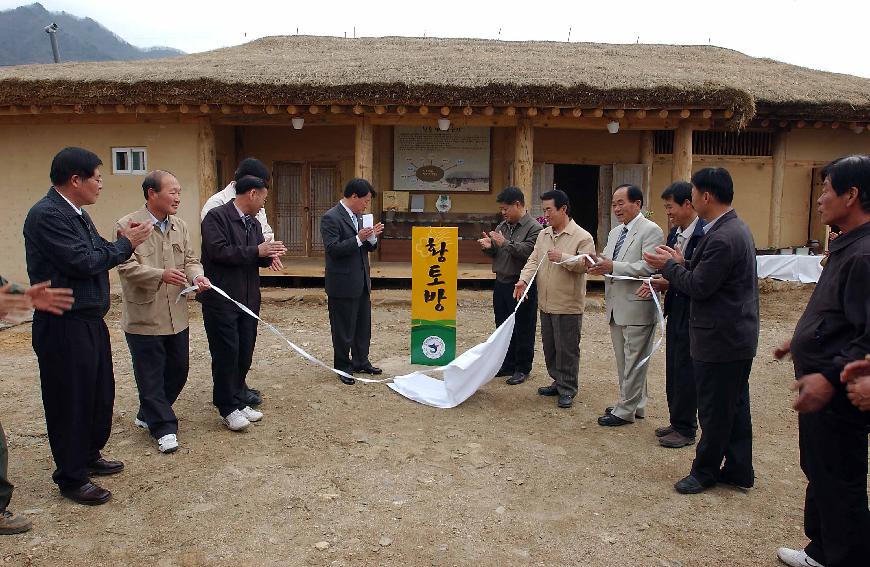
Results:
207 160
524 151
364 155
775 226
647 154
682 167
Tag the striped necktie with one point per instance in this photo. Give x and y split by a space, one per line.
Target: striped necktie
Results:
620 242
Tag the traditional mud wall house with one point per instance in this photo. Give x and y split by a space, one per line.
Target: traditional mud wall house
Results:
439 126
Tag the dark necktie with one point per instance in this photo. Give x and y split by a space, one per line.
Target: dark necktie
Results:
249 223
620 242
358 222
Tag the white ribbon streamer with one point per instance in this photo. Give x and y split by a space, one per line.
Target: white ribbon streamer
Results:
280 335
661 314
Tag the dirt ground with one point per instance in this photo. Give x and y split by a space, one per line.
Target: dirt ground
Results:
338 475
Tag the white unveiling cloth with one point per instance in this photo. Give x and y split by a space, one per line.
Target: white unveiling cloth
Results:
790 267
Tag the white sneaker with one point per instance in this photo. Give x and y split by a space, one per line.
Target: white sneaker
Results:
236 421
139 423
796 558
250 414
168 443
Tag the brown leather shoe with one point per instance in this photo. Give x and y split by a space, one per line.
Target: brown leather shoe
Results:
675 440
88 494
662 431
103 467
11 523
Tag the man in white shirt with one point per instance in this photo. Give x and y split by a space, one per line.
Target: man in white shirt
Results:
248 166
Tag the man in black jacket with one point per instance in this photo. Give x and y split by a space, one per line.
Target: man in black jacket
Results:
679 376
348 283
722 285
233 251
833 332
509 246
75 356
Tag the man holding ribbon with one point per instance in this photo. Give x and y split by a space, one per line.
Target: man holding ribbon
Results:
632 318
233 251
722 285
561 282
155 325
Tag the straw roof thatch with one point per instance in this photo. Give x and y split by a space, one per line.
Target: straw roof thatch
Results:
393 70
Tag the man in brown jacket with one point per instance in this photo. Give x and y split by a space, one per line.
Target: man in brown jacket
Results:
561 293
155 325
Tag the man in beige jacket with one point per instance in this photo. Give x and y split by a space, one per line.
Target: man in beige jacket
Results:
155 325
561 293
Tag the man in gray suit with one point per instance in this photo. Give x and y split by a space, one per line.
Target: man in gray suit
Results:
348 283
632 318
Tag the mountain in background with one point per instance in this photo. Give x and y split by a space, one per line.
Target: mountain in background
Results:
23 39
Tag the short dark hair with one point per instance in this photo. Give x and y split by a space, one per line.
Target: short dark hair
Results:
73 161
253 166
850 171
359 187
634 192
559 198
153 180
716 181
511 195
679 192
247 183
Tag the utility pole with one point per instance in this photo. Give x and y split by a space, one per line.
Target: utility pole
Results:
52 33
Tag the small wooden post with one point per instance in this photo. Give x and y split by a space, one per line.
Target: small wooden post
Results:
776 185
364 156
524 157
682 166
647 155
207 160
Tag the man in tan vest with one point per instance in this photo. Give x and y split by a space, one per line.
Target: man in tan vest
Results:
155 325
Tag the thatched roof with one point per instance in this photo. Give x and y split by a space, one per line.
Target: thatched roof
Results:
393 70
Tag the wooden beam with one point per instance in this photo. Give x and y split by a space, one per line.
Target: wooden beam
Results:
619 113
531 111
707 113
226 109
291 109
801 123
249 109
510 111
467 111
364 156
272 109
640 114
596 112
380 109
776 187
682 165
401 110
685 113
423 110
162 108
336 109
358 109
647 156
445 111
577 112
818 124
663 113
729 114
835 125
765 123
119 108
524 146
489 111
207 159
183 108
555 111
314 109
783 123
204 108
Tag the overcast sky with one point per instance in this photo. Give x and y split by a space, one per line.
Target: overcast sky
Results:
830 35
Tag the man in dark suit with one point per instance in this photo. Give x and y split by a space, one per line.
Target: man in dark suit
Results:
348 283
687 231
233 251
75 356
722 285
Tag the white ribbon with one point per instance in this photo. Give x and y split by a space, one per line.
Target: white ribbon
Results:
661 314
280 335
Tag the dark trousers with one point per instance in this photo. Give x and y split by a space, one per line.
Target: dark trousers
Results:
350 321
521 352
836 517
560 335
231 339
5 486
160 365
679 373
78 392
726 423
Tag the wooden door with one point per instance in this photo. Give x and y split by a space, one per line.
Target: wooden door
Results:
303 193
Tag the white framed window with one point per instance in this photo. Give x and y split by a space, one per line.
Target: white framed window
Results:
129 161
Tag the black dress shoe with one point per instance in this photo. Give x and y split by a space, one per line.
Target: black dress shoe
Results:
609 410
102 467
610 420
566 401
504 372
253 397
690 485
550 390
346 380
88 494
517 378
373 370
736 483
